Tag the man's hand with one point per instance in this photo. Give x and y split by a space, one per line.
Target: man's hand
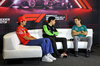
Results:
84 32
29 38
32 37
76 33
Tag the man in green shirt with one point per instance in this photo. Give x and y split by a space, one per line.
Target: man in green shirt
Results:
79 32
49 31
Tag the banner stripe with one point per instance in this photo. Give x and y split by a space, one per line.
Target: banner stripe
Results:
2 2
87 4
82 4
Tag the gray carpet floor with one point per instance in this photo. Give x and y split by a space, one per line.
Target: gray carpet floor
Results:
94 60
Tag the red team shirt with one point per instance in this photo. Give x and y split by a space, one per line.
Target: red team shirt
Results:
21 32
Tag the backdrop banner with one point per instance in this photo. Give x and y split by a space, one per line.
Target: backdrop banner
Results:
38 11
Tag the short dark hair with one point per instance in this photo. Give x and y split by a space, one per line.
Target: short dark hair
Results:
18 23
51 18
77 17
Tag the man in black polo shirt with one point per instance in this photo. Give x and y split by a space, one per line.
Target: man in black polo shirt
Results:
49 31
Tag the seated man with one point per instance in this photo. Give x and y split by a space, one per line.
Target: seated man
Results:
29 40
79 32
49 31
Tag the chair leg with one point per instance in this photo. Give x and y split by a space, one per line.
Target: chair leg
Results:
39 60
5 62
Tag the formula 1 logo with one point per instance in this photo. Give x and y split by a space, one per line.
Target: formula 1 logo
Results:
2 2
38 17
83 4
34 17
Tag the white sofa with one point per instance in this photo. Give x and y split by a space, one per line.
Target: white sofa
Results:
13 49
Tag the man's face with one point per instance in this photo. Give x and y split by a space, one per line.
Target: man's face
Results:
24 23
77 21
53 22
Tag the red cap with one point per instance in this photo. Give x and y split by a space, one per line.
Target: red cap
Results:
20 19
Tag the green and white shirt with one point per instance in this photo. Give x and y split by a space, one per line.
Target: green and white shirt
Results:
81 28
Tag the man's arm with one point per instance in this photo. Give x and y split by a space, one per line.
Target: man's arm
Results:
55 33
47 31
32 37
76 33
29 38
80 32
84 33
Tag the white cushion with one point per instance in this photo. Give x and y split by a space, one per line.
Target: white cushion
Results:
10 41
65 33
70 45
36 33
23 52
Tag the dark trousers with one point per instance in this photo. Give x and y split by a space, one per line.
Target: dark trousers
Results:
58 39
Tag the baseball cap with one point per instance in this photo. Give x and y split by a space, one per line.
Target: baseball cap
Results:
20 19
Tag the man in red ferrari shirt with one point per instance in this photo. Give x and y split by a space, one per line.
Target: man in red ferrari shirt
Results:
29 40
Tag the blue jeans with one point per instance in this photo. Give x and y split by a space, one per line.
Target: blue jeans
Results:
45 43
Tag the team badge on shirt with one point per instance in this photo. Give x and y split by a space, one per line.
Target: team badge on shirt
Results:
76 28
82 28
20 32
24 31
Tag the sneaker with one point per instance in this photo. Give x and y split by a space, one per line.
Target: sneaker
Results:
87 53
76 53
64 54
59 55
51 57
46 59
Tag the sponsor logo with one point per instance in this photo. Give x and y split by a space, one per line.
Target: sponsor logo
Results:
58 17
4 20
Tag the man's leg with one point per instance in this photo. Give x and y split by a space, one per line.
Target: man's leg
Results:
45 48
49 44
54 46
64 42
39 42
50 51
76 39
89 40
